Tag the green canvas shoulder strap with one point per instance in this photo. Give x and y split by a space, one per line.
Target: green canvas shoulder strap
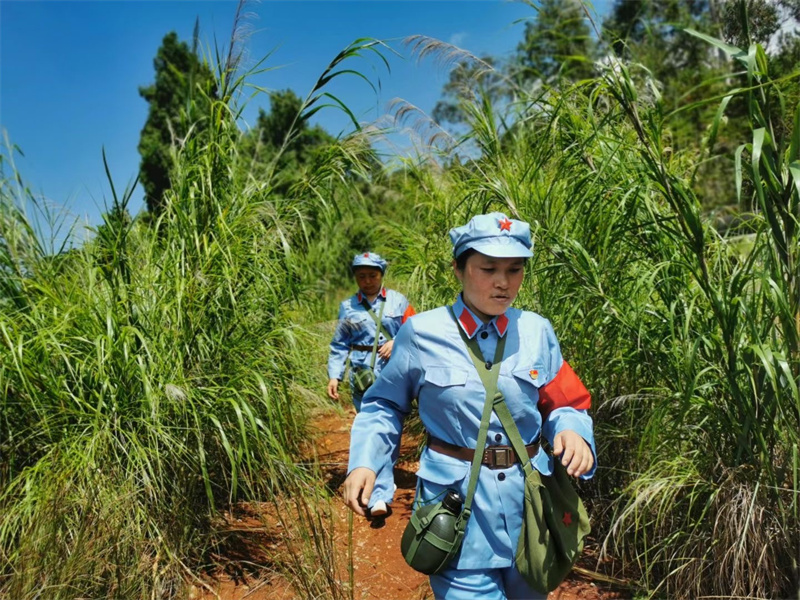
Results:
488 372
379 322
498 401
378 319
378 332
512 431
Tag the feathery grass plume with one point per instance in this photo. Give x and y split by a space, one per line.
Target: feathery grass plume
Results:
473 81
446 55
423 129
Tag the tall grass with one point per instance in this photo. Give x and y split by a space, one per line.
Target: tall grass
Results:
145 379
732 415
149 376
313 558
155 373
686 337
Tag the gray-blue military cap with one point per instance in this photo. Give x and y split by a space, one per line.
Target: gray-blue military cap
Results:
493 235
368 259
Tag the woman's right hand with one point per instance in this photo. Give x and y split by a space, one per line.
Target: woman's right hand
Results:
358 488
333 389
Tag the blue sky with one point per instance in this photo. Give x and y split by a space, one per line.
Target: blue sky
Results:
70 71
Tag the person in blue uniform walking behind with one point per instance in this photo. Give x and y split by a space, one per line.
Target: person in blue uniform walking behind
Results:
431 362
367 324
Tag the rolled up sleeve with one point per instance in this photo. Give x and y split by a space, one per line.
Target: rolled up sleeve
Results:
340 347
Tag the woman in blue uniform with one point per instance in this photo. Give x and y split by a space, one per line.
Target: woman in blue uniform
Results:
356 331
431 362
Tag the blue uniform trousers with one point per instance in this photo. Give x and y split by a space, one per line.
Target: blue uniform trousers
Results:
486 584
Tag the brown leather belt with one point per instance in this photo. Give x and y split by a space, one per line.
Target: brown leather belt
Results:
494 457
362 347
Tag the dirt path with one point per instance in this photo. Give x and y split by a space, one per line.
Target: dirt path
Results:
380 573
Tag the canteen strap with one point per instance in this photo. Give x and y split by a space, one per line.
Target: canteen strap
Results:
512 431
379 322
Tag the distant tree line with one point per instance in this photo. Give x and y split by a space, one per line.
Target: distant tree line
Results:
558 48
179 105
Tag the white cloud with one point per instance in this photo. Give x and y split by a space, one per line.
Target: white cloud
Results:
458 39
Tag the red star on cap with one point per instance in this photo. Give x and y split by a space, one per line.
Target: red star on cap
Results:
366 254
505 224
567 520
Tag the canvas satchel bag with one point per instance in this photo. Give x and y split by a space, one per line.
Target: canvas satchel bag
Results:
554 521
430 550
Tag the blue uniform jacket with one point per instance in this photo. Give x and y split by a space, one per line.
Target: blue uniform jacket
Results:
356 327
431 362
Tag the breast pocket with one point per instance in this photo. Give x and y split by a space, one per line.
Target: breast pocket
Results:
441 399
392 323
356 327
521 391
445 377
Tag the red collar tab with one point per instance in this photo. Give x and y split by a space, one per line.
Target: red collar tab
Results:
468 324
505 225
501 323
381 294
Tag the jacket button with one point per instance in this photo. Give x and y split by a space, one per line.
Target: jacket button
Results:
484 335
501 476
498 437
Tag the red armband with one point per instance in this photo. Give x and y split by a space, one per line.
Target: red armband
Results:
410 312
565 389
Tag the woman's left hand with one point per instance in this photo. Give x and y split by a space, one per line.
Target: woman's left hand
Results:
575 453
385 351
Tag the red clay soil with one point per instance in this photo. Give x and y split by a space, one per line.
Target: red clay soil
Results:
380 573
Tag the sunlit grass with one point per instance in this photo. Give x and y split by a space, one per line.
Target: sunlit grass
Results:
156 373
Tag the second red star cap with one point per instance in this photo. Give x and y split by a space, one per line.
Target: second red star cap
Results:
494 235
369 259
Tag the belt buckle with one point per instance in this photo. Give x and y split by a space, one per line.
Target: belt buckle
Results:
500 457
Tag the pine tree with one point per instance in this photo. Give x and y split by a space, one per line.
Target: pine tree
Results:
282 128
179 100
